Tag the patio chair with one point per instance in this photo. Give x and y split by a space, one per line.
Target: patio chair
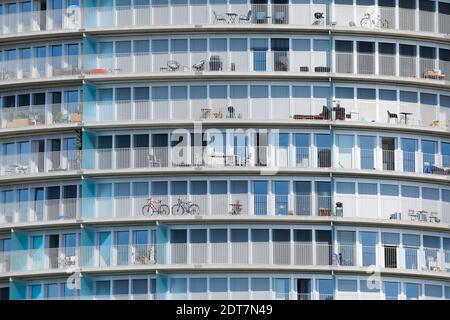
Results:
153 160
261 17
231 112
392 116
319 18
279 17
218 17
199 66
246 17
412 215
173 65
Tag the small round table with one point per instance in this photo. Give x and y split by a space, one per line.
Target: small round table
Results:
406 114
231 17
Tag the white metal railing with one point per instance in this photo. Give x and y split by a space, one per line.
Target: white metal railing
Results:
393 257
249 156
195 62
118 255
344 62
248 253
37 115
40 210
40 162
230 14
255 253
40 67
260 61
246 13
45 258
362 111
212 205
35 20
366 63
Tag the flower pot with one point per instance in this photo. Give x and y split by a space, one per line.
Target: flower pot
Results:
76 117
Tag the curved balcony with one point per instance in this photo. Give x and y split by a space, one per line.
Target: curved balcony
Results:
40 68
41 115
432 18
36 212
408 69
269 158
239 255
244 286
292 111
29 164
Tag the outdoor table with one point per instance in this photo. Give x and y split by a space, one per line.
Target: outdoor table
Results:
406 114
231 17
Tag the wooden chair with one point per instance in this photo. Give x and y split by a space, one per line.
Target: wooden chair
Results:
434 123
219 114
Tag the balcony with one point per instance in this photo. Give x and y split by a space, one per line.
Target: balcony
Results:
254 253
119 255
268 156
35 21
46 259
295 14
33 163
345 112
40 211
198 62
393 257
40 68
227 253
212 205
411 67
40 115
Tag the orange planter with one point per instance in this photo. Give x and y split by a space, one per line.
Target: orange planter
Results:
98 71
76 117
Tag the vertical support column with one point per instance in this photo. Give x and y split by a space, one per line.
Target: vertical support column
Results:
89 102
88 149
88 205
17 290
87 244
19 247
162 240
86 287
162 287
89 51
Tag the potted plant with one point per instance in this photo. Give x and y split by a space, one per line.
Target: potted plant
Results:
59 117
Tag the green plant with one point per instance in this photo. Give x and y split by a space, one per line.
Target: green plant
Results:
19 115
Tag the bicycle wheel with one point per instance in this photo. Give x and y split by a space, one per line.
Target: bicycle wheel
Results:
164 210
365 22
146 210
194 209
177 209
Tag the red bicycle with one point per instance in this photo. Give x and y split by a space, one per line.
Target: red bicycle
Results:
155 207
